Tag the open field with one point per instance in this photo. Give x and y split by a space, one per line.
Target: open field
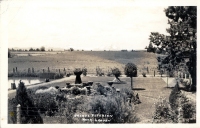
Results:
89 59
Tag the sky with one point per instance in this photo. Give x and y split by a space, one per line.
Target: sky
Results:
82 24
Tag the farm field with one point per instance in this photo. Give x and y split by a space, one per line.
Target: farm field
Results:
78 59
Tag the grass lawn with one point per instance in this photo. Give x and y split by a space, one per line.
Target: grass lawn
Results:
149 90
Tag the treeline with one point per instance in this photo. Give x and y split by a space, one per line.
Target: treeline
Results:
30 49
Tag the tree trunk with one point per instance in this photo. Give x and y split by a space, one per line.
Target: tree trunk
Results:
117 78
78 79
193 74
192 69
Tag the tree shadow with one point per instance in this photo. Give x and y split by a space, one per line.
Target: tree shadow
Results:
138 89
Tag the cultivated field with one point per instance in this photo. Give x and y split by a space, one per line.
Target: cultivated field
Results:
78 59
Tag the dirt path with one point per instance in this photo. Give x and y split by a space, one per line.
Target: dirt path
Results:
12 93
154 88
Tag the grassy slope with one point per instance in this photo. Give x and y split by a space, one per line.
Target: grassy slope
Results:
88 59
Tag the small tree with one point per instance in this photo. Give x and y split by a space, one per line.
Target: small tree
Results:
130 70
42 48
29 111
31 49
116 72
71 49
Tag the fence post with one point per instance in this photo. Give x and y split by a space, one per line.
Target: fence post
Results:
13 70
32 70
154 73
18 114
48 69
29 70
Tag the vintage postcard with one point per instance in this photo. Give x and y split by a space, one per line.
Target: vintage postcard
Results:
105 62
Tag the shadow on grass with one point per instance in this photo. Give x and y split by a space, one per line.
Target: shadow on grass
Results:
138 89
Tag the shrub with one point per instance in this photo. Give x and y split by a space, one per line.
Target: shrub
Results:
84 70
177 99
144 74
46 103
171 74
83 91
99 71
75 91
116 72
101 90
115 106
71 107
173 96
189 110
163 112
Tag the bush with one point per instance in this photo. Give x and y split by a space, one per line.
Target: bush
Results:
75 91
116 72
177 99
84 70
99 71
113 105
173 97
144 74
101 90
171 74
189 110
163 112
46 103
83 91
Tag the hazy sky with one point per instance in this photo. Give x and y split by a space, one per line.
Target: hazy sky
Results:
82 24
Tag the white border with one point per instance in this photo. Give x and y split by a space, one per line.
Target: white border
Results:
4 70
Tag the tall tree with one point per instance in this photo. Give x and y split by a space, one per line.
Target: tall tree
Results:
183 35
182 39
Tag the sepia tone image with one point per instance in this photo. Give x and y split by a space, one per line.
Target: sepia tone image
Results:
102 62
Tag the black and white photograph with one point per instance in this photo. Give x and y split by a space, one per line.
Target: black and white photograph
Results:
100 62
